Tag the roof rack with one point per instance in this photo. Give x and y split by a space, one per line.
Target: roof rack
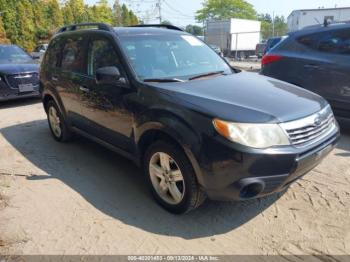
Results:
100 26
171 27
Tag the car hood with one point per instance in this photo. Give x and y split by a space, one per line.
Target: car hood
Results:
9 69
245 97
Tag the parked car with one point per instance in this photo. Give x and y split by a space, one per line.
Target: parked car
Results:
39 51
317 59
198 127
217 50
18 74
272 42
260 50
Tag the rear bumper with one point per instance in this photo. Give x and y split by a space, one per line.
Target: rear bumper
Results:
244 175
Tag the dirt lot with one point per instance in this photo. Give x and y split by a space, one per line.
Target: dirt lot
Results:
79 198
252 65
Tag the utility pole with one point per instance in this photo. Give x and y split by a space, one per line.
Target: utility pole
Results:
159 6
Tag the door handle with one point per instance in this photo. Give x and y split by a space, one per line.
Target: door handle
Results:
311 66
84 89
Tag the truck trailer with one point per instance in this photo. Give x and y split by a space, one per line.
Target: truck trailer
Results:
236 37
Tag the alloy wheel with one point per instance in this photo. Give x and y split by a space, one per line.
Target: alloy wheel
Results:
55 122
167 178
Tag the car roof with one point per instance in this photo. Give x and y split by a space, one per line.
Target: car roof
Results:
320 28
126 31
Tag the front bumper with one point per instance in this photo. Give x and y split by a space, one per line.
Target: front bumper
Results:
230 174
9 93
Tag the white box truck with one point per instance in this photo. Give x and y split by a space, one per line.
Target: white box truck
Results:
236 37
300 19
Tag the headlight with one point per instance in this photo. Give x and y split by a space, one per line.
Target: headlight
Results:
252 135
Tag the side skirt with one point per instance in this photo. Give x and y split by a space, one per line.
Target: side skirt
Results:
117 150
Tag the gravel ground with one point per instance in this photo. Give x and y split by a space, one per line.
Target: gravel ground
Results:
80 198
248 65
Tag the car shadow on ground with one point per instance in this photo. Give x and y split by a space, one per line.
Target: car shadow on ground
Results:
19 102
116 187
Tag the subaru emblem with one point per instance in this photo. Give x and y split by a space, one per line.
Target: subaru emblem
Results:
318 121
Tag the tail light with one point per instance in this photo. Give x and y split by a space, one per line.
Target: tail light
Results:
268 59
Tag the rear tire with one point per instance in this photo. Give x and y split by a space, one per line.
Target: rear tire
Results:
178 179
58 126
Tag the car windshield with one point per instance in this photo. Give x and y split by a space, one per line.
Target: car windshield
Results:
171 56
13 53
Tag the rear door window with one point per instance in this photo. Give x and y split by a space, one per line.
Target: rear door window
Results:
53 56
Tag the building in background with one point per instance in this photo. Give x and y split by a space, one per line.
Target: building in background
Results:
236 37
299 19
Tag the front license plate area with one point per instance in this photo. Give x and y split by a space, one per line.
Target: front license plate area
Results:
26 88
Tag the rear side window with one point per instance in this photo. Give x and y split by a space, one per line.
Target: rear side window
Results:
335 42
52 57
73 55
309 40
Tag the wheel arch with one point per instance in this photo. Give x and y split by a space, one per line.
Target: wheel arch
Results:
48 96
178 134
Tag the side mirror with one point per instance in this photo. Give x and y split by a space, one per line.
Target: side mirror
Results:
107 75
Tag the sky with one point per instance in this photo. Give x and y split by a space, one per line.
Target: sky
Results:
182 12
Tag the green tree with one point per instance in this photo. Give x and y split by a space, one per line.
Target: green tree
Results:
194 30
166 22
281 27
78 10
102 12
28 22
9 19
3 37
68 17
266 25
26 26
125 15
225 9
117 14
133 20
54 14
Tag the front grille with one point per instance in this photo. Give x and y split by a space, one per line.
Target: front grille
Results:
22 79
309 130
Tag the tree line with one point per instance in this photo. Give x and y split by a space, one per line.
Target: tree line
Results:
28 22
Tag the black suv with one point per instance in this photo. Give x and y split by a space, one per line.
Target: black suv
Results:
318 59
19 74
166 100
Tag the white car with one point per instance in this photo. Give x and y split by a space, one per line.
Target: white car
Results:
39 51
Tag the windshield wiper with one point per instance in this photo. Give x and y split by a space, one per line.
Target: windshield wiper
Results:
207 74
163 80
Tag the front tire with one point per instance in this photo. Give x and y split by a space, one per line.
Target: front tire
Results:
171 178
58 126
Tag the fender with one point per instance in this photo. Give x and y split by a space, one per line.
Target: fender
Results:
176 128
